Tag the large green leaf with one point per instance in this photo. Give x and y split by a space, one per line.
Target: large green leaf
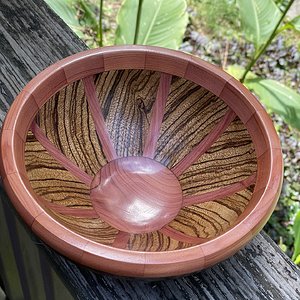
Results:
296 228
163 23
258 18
66 10
278 98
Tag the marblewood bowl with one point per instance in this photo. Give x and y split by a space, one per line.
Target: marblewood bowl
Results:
140 161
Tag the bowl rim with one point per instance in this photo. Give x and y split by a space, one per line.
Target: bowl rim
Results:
126 262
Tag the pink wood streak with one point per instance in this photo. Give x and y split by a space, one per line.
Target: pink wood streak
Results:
205 144
121 240
56 153
220 193
157 114
179 236
101 129
71 211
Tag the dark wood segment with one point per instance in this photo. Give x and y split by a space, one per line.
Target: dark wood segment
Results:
90 228
210 219
232 158
204 145
220 193
51 180
68 124
154 241
157 115
56 153
94 107
126 98
191 113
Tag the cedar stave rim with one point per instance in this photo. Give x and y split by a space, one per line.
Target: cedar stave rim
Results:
232 240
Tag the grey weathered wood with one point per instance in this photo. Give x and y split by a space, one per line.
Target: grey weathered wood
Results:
31 38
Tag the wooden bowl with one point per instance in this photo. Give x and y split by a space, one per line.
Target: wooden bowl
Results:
140 161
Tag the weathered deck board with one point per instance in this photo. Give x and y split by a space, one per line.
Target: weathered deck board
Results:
31 38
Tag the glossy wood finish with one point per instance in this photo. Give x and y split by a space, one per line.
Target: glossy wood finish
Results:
136 194
193 109
158 111
91 96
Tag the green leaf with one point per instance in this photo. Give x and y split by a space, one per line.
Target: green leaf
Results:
296 228
237 72
295 23
162 23
278 98
258 18
65 9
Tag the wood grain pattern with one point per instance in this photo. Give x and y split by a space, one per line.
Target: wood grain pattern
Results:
69 165
157 115
205 144
220 193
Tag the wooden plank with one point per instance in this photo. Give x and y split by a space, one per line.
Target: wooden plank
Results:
32 37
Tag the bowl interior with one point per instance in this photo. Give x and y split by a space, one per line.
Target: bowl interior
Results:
225 173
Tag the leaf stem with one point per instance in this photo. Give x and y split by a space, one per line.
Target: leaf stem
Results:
138 21
268 42
99 29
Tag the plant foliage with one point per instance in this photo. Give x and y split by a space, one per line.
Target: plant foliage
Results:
258 18
163 23
67 11
296 255
278 98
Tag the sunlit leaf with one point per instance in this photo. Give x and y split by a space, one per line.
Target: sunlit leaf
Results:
258 18
163 23
295 23
278 98
66 10
237 72
296 228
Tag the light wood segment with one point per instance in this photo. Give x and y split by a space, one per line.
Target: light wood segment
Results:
205 144
69 165
121 240
220 193
136 194
100 126
158 110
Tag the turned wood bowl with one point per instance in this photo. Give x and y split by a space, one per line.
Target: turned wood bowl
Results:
140 161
